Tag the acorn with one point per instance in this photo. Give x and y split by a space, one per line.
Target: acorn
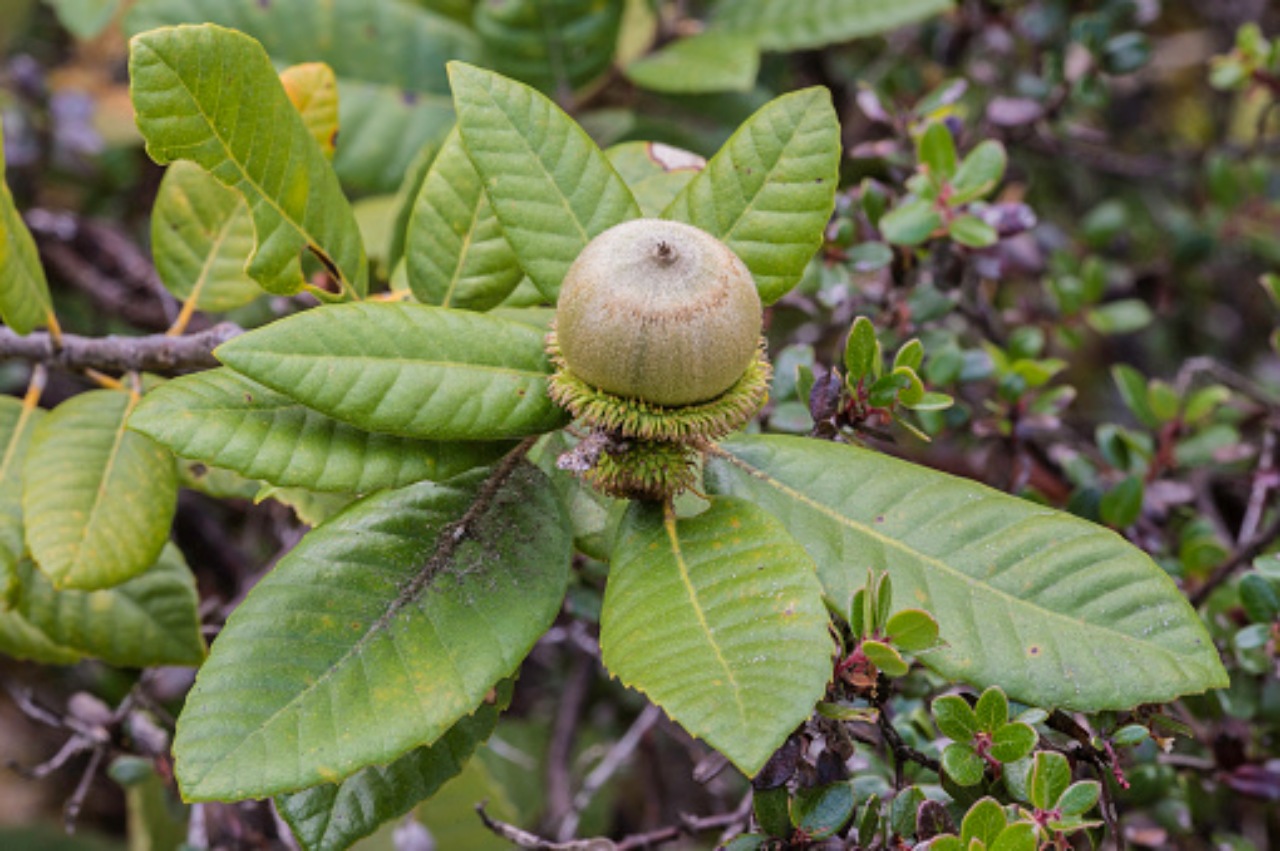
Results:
657 338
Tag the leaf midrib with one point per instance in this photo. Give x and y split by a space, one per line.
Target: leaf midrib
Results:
206 269
669 525
262 194
931 561
11 449
114 455
750 206
463 249
276 357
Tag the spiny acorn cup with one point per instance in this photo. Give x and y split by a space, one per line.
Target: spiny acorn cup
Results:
657 339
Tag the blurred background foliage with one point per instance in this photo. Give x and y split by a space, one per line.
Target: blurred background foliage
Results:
1104 314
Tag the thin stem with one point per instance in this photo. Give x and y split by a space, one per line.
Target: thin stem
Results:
607 767
103 380
1264 479
184 318
55 329
35 387
71 811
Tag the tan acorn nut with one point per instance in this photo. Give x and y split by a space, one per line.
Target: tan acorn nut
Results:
659 311
657 334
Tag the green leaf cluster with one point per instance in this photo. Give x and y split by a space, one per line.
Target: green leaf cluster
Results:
943 189
982 735
880 637
986 828
1059 804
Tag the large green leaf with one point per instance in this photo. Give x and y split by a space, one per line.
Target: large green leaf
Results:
210 95
229 421
16 424
719 619
406 369
555 45
552 188
455 253
24 292
708 62
201 236
331 817
388 55
21 640
1056 610
769 192
787 25
376 634
97 498
153 619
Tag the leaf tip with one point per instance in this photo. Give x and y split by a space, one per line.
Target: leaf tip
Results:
461 72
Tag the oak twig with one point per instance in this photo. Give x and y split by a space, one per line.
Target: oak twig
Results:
154 353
